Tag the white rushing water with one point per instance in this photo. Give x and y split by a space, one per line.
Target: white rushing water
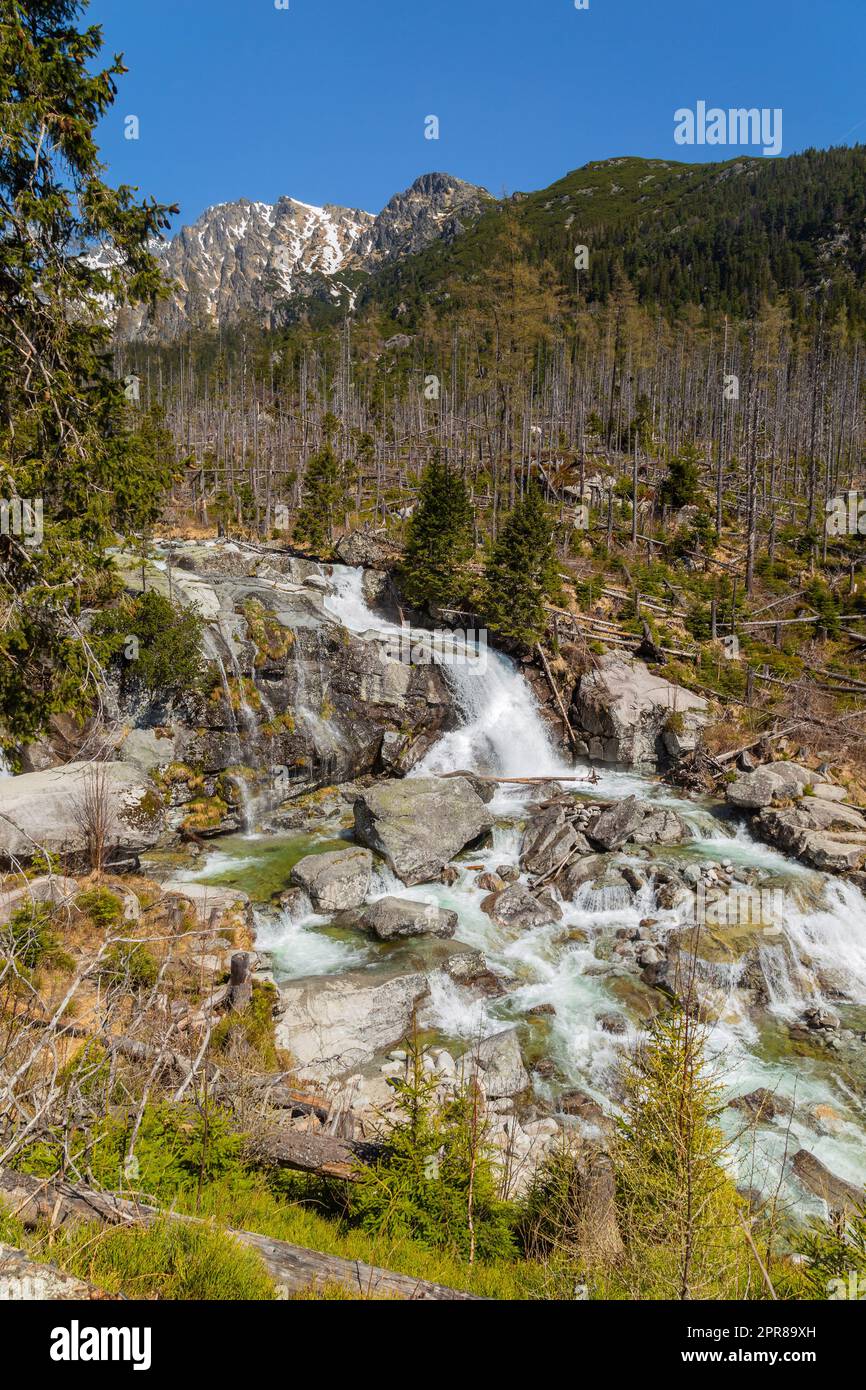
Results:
816 952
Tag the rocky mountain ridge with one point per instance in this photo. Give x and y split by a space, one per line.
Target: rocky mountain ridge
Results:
247 257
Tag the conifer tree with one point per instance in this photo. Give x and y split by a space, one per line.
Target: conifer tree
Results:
66 436
323 495
521 571
678 1208
440 539
435 1182
682 484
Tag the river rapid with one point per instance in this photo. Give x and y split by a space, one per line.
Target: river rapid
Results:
815 952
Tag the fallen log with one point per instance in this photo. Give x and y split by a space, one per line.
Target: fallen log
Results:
309 1152
292 1267
23 1278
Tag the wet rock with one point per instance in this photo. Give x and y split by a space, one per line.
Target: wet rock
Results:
627 933
469 968
336 880
631 717
578 873
295 902
612 1022
420 823
662 975
394 918
499 1064
763 1104
516 907
825 1119
640 823
491 883
818 1179
509 873
649 955
548 841
482 786
582 1106
822 833
634 879
449 875
821 1019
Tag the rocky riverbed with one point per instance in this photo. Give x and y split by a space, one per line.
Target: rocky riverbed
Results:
350 803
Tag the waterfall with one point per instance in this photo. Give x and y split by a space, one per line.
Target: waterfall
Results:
502 729
246 807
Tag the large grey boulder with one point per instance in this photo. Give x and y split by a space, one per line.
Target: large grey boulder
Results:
48 888
773 782
583 870
418 824
365 548
549 840
334 1024
24 1279
498 1063
212 904
519 909
638 823
336 880
822 833
392 919
47 810
628 715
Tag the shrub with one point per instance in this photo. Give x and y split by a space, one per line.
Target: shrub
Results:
166 656
251 1030
835 1250
129 963
28 939
102 907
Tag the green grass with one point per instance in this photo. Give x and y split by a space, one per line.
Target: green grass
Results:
168 1260
260 1209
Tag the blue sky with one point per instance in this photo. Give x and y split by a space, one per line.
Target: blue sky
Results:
326 101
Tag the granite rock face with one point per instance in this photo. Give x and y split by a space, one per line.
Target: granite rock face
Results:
631 717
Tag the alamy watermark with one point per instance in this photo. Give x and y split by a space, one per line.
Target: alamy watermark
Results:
738 126
22 517
740 906
846 515
851 1287
77 1343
